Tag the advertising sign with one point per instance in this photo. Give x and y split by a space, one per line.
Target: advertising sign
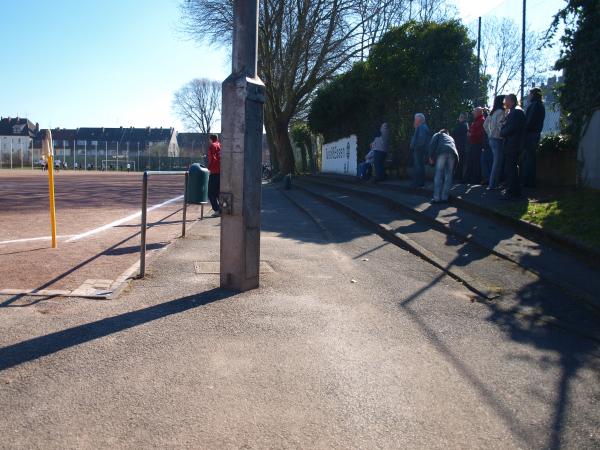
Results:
340 156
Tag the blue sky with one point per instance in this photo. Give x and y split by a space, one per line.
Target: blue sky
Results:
97 63
117 62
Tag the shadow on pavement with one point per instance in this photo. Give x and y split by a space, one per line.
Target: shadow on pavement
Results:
35 348
112 250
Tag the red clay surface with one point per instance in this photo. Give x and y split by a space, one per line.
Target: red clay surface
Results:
84 201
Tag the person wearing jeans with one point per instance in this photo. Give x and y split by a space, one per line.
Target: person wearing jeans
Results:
442 153
492 126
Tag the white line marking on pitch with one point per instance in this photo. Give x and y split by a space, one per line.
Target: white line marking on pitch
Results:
121 221
42 238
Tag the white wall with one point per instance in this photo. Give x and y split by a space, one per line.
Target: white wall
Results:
340 156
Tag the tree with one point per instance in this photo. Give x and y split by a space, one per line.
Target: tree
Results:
407 71
579 96
501 55
302 45
198 103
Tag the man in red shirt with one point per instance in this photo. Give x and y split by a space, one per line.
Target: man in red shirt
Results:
476 140
214 180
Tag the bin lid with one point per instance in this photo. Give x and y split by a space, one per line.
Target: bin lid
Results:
197 167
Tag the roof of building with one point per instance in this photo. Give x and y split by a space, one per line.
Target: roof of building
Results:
192 139
120 134
16 126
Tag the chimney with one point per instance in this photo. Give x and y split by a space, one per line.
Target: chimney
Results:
37 127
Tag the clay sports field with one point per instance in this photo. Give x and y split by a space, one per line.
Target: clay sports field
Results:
98 224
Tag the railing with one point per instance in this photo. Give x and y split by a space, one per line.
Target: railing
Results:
145 212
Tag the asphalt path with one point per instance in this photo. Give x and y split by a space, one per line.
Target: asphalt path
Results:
349 343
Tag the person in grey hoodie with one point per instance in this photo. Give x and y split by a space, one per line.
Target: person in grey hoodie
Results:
442 153
380 147
492 126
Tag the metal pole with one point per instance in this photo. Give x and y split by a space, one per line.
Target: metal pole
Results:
85 155
143 229
523 52
478 95
21 149
11 152
184 204
96 155
138 158
74 152
106 155
31 154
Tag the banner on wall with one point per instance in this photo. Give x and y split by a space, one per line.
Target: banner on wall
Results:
340 156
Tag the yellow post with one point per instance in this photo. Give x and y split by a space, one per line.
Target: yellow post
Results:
48 151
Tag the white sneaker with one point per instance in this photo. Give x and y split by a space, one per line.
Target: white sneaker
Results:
216 214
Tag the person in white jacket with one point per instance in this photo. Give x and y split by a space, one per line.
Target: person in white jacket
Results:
492 126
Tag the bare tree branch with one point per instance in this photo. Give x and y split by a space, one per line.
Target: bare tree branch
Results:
198 103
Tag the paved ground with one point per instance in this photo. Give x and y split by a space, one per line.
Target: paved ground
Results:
400 358
84 202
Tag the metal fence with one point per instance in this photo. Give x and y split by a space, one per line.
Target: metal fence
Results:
25 156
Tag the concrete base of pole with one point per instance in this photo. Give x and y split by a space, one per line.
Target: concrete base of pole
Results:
241 156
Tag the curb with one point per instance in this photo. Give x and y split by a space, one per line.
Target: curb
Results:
584 298
411 246
527 229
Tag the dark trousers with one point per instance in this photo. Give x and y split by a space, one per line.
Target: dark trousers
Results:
459 170
473 172
419 167
379 165
528 172
513 185
214 186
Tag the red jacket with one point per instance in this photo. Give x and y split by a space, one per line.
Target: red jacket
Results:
476 132
214 157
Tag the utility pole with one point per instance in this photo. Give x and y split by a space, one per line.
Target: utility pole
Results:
242 122
478 61
523 52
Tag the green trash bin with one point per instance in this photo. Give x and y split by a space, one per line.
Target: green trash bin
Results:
197 187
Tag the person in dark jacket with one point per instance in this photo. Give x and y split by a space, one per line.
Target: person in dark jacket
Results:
214 179
512 132
418 145
476 141
459 134
534 123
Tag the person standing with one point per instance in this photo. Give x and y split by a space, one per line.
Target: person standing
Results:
534 124
442 153
418 146
214 179
380 148
459 134
512 132
476 136
492 126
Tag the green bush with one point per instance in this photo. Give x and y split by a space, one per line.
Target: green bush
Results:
419 67
553 143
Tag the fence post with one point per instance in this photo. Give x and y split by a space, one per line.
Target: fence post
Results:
184 204
143 229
